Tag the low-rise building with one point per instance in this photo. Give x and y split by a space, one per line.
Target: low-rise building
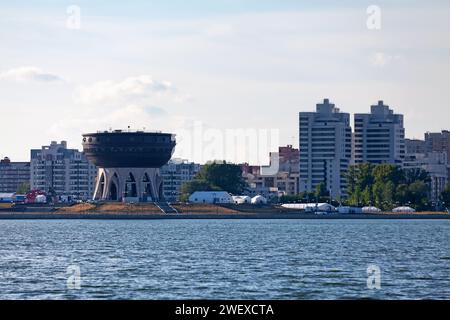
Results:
211 197
280 177
13 175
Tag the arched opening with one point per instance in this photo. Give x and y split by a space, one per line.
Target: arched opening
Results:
113 192
147 194
101 186
130 186
160 192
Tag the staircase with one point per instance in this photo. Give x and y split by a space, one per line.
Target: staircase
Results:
165 207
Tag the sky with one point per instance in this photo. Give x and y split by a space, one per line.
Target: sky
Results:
228 77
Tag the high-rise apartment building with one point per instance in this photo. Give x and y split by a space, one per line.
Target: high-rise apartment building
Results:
325 148
379 136
64 172
13 175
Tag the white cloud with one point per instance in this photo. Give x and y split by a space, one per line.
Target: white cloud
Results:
128 90
381 59
219 30
24 74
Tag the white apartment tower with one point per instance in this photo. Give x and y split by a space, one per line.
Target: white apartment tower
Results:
379 136
325 148
64 172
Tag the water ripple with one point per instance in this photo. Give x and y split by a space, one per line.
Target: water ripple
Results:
225 259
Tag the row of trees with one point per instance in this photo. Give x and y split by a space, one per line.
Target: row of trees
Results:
320 194
386 186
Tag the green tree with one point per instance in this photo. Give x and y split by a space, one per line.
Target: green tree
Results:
23 188
387 185
225 176
360 180
445 196
402 194
378 194
302 197
388 196
366 196
415 174
215 176
418 195
321 192
384 173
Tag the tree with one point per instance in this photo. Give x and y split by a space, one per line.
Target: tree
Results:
445 196
321 192
415 174
360 180
215 176
302 197
366 196
351 180
388 196
418 195
378 194
387 185
225 176
23 188
384 173
401 193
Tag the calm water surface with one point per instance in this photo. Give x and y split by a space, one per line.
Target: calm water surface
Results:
224 259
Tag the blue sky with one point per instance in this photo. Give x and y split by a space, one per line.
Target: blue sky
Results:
222 65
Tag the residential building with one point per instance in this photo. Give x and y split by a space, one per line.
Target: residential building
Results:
436 164
61 171
415 146
13 175
325 148
280 177
438 141
175 173
379 136
289 159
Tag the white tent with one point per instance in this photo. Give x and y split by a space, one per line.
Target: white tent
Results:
241 199
370 210
6 197
310 206
403 209
210 197
259 200
40 198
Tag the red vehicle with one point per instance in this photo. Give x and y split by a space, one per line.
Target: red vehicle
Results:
31 195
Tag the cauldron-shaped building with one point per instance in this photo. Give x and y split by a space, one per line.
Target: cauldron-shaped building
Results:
128 163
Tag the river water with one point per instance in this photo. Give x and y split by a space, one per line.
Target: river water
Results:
224 259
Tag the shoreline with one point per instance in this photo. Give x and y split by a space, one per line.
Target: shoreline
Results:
206 216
